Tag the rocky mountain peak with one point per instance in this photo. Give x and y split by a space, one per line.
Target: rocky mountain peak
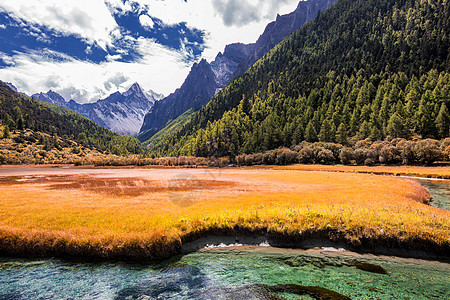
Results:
135 89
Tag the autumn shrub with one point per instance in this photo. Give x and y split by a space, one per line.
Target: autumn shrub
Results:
325 157
306 155
406 149
389 154
427 151
285 156
346 155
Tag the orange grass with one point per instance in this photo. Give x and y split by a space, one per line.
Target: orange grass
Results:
135 213
413 171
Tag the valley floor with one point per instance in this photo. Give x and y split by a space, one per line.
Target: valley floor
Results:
138 213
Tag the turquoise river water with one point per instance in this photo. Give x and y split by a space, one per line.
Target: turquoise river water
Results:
231 273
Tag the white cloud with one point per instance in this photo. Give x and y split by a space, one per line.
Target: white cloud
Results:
2 26
161 70
146 21
90 19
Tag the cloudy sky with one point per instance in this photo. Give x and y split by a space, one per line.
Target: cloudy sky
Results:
88 49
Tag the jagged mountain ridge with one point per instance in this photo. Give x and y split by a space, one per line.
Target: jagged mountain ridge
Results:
235 60
120 112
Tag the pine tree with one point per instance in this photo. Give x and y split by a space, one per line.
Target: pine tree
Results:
325 134
442 121
423 119
364 130
297 136
310 132
395 127
341 135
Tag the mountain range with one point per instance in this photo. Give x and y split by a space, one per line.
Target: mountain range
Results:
120 112
206 79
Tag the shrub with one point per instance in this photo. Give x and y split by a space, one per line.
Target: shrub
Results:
427 151
325 156
285 156
360 157
407 154
346 155
389 154
306 155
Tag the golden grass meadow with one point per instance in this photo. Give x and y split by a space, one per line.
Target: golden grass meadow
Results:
149 213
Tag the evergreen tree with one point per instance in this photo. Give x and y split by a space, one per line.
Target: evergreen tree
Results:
375 133
442 121
298 134
341 135
326 134
423 117
395 127
310 133
364 131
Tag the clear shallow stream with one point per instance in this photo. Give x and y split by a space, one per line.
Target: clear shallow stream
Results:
234 273
439 191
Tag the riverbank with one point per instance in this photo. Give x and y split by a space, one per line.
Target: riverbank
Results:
135 214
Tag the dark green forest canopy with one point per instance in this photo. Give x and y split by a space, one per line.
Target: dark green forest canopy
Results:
361 69
19 112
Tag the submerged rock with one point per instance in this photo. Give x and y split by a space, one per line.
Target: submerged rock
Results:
245 292
315 292
172 281
11 296
371 268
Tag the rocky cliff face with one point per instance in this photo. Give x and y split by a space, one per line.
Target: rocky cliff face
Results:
235 60
197 89
120 112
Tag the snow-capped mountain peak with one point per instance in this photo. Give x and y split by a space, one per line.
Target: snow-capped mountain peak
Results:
135 89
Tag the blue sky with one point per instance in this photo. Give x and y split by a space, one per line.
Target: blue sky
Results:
88 49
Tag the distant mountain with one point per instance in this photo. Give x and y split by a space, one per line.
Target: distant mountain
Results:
156 96
51 97
120 112
9 84
205 80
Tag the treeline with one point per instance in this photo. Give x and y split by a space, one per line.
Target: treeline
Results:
395 152
361 69
19 112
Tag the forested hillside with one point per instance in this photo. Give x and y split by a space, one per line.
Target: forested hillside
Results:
362 69
19 112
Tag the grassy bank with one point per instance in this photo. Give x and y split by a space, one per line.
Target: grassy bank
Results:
136 213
